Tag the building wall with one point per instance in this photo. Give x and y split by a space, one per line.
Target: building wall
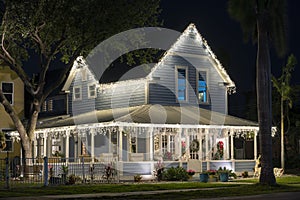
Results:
116 95
190 53
7 75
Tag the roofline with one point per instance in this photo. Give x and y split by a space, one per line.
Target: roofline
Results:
230 85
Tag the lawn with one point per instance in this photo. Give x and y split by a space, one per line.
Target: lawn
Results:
237 188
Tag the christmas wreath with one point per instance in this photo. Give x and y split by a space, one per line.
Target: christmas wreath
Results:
194 146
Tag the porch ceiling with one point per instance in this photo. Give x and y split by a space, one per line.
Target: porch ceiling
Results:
151 114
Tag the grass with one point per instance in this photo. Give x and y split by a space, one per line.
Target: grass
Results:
239 188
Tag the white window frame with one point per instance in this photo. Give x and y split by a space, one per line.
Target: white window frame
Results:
186 83
197 85
13 91
80 93
89 91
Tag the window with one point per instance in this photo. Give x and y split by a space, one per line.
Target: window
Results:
202 87
77 93
168 146
8 91
182 84
44 106
50 105
92 91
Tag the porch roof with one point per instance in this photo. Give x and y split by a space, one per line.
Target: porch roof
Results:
150 114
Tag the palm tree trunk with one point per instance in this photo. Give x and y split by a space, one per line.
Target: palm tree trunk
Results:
264 100
282 133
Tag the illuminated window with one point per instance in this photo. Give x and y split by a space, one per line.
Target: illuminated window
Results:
50 105
182 84
202 87
8 91
77 93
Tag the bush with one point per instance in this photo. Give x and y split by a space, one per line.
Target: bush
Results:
72 179
175 174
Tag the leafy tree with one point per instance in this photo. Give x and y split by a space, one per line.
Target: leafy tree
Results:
263 21
283 87
58 31
2 141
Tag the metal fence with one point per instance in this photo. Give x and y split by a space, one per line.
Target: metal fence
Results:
18 172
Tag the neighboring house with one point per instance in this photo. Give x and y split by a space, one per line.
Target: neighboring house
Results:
177 113
13 89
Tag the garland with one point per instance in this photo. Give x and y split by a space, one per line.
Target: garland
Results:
194 146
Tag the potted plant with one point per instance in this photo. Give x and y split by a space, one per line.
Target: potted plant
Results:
190 173
212 175
224 174
204 176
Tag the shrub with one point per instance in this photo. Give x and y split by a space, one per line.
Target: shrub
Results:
72 179
245 174
175 174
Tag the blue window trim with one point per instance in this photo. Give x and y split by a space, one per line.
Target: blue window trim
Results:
202 89
181 84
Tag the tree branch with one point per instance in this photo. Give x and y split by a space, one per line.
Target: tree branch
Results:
14 116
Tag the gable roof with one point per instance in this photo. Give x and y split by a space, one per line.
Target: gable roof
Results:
203 50
191 30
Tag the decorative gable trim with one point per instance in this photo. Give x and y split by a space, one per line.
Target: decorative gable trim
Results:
191 29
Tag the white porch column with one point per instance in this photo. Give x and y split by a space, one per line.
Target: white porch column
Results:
93 144
207 152
206 144
227 136
255 145
67 149
199 133
35 148
151 144
179 143
120 146
187 141
231 143
45 136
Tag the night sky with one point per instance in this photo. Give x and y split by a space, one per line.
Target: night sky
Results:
225 38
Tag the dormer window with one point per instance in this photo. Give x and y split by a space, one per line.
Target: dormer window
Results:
77 93
181 83
8 91
202 87
92 91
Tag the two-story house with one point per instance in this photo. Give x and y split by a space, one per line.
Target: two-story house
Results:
13 89
177 113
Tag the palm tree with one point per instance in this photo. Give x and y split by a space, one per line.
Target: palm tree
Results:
283 87
264 21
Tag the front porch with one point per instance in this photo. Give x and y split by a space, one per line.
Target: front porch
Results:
137 148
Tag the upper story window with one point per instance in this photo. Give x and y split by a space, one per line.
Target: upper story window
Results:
181 76
77 93
8 91
92 91
202 87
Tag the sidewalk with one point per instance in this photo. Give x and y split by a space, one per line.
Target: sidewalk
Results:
275 196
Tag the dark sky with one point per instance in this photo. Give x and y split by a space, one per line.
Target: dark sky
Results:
225 38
